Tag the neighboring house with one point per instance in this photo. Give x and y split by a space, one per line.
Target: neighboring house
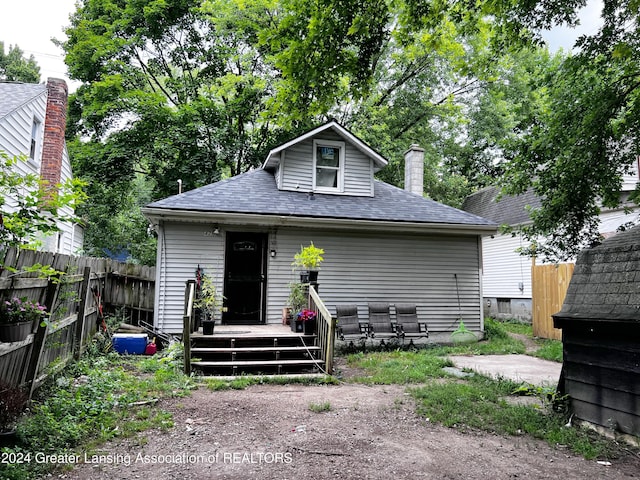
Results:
32 123
600 322
507 274
381 243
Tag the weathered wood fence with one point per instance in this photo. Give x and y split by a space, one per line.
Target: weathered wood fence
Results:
549 284
75 300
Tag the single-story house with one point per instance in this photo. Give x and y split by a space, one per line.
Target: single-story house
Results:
600 322
507 275
381 243
32 124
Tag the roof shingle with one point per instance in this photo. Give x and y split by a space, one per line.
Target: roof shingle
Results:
255 192
15 94
508 209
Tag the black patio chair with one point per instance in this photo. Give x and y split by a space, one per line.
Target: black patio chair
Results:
380 321
348 324
408 324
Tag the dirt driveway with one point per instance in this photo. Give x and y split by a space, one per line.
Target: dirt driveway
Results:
268 432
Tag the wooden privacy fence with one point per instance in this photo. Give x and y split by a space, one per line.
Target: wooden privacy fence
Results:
74 301
549 284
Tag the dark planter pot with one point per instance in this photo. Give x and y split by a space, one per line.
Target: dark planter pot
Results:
309 327
15 332
207 327
297 326
8 438
309 276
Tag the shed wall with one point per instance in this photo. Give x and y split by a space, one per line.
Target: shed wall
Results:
602 374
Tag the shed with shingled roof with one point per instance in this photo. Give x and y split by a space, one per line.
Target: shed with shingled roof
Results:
600 322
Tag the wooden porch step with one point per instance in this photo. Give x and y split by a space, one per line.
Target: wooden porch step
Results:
255 363
292 376
253 349
200 336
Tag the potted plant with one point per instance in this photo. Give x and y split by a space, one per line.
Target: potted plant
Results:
12 403
18 317
308 320
298 300
308 260
209 301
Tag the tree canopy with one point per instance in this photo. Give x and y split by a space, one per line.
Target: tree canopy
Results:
14 67
198 90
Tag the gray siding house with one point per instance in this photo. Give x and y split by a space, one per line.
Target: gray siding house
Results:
381 243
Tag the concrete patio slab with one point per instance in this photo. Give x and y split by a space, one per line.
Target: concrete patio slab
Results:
519 368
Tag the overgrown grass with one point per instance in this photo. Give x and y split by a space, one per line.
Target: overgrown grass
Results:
480 403
497 342
516 327
398 366
549 350
95 400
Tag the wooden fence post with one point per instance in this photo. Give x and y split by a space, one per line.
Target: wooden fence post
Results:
79 333
40 337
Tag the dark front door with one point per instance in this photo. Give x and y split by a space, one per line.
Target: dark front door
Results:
245 278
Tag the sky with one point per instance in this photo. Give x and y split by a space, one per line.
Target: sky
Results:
32 23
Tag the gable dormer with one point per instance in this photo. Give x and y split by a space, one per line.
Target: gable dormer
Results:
329 160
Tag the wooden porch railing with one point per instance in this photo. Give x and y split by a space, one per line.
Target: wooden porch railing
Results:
188 321
326 325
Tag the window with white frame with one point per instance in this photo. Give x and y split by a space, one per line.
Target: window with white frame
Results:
328 163
35 135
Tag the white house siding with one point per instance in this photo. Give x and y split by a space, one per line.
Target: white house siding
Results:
504 271
630 180
297 167
181 248
15 132
15 139
72 234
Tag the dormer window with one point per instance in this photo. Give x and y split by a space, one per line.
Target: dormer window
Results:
328 166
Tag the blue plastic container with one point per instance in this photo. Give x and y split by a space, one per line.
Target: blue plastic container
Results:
129 343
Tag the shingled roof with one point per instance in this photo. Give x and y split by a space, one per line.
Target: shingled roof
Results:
255 192
508 209
15 94
605 285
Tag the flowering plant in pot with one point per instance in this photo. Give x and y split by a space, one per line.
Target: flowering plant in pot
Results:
308 260
13 401
18 317
298 300
308 319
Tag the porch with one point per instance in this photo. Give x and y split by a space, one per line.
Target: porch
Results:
267 349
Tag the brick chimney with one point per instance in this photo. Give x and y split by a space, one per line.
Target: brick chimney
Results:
414 170
54 128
